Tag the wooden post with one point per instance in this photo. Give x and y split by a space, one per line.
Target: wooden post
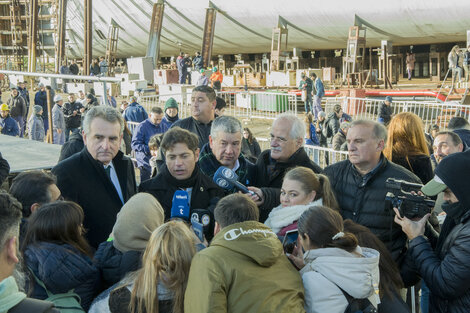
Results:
208 36
88 27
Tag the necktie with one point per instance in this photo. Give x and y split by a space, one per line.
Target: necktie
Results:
108 171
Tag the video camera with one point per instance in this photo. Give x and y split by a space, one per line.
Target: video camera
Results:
410 205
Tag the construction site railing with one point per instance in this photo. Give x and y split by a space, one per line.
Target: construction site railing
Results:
429 112
243 104
320 155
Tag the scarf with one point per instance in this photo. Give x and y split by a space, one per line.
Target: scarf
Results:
184 183
9 294
172 119
281 217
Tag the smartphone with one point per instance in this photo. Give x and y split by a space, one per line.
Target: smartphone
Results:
290 240
198 229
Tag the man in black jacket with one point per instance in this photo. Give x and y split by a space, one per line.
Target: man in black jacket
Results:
287 139
359 183
73 115
203 102
443 261
224 149
99 178
181 173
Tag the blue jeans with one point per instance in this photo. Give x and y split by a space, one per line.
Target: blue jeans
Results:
316 106
21 124
67 132
424 297
308 102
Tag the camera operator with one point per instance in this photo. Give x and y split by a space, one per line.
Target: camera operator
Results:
442 261
359 183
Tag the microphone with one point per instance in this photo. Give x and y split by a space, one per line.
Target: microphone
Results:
227 179
180 205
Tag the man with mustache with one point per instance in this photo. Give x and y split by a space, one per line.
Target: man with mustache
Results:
287 139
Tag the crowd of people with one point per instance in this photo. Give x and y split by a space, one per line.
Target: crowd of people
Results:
217 225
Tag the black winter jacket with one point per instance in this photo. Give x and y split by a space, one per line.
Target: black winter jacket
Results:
446 272
362 199
62 268
269 176
201 130
74 145
204 191
113 264
82 179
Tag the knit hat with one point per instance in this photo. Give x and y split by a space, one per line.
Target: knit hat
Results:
388 98
4 107
214 69
202 70
136 221
453 172
171 103
37 109
40 85
57 98
322 114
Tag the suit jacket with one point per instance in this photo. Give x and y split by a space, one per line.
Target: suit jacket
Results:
82 179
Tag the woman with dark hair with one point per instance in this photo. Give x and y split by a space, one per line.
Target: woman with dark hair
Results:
406 145
301 189
250 146
334 263
390 279
57 253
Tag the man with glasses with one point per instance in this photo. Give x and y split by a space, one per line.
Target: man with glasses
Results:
287 139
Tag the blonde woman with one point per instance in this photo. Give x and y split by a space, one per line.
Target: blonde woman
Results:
160 284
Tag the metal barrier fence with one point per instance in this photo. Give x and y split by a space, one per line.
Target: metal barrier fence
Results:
249 104
320 155
429 112
257 104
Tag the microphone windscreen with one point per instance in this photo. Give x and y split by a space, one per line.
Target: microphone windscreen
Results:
180 205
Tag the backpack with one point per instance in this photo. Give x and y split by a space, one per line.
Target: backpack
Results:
357 305
68 302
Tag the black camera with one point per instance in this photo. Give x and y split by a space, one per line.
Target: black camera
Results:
410 205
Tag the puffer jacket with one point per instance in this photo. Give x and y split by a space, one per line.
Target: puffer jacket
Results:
362 199
36 128
62 268
243 271
114 264
271 184
326 269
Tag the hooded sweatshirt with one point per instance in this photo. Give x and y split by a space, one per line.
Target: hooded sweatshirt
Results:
244 270
328 268
122 253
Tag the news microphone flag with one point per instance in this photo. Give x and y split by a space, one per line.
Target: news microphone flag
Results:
180 205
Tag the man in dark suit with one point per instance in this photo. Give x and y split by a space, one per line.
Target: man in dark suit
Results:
99 178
